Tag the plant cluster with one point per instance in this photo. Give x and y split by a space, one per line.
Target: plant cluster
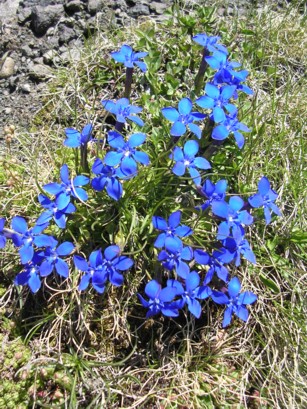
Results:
41 254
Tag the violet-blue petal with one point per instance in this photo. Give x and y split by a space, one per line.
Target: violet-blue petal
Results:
185 106
264 186
123 263
177 129
218 114
26 254
247 297
234 287
81 263
204 292
62 268
205 102
141 157
227 317
178 169
220 208
174 219
194 307
190 148
159 223
136 139
239 139
19 224
195 175
160 240
65 248
220 132
219 297
172 245
183 231
187 253
201 257
81 180
177 154
111 252
182 269
80 194
46 268
84 282
202 163
167 294
152 289
34 283
192 281
195 129
170 113
242 313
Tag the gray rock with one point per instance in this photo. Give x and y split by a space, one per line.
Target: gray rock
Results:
8 9
8 68
139 10
50 57
26 88
66 34
26 50
73 6
24 14
94 6
39 71
158 8
45 17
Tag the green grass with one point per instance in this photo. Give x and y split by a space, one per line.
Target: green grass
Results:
85 350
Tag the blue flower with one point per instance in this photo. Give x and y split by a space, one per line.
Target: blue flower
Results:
94 271
67 188
126 155
160 300
107 179
76 139
235 217
122 109
210 42
114 263
174 255
213 192
215 262
59 216
30 275
2 236
217 99
184 118
128 57
52 259
265 198
192 292
230 125
172 228
218 61
235 302
237 245
25 238
185 159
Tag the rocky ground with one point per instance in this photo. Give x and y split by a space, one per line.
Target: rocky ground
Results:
37 34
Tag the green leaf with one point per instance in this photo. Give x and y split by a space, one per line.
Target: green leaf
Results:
270 284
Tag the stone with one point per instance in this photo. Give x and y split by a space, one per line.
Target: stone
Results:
45 17
73 6
157 8
8 68
94 6
66 34
50 57
26 50
24 15
39 71
8 10
139 10
26 88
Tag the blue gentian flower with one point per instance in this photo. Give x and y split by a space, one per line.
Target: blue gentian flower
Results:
237 81
126 154
217 99
94 271
122 109
52 259
59 216
266 198
192 292
2 236
237 245
114 264
75 139
129 58
218 61
235 217
210 42
160 300
174 255
185 159
213 192
183 118
107 179
30 275
215 262
67 188
234 301
230 125
170 228
25 238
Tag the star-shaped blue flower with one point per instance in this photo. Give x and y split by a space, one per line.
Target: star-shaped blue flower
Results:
170 228
185 159
107 178
2 235
210 42
52 259
234 301
265 198
123 110
175 255
160 300
217 99
94 271
53 211
129 58
183 118
126 154
213 192
75 139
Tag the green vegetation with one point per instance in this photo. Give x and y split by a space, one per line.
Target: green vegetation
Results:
61 348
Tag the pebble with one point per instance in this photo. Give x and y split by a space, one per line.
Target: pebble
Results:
8 68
